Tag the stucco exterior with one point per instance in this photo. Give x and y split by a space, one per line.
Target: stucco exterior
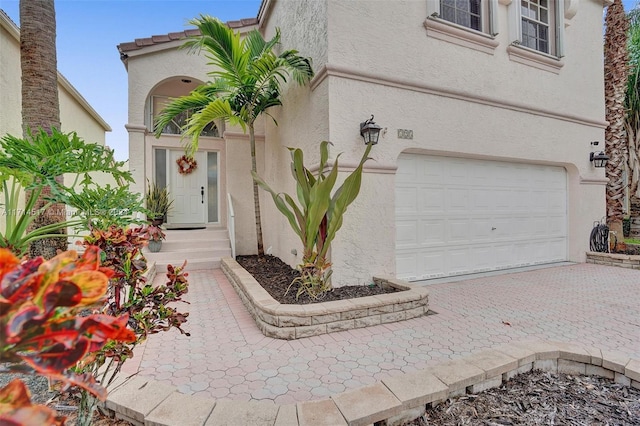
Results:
486 100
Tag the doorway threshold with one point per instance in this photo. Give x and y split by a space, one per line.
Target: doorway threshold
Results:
473 276
184 226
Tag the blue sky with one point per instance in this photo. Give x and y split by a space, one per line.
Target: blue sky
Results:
89 30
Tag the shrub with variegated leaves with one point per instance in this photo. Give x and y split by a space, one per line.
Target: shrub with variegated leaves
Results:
42 330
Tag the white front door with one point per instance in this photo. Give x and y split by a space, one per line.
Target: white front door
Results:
189 192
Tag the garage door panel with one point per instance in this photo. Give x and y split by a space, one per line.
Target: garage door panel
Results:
407 265
556 226
459 230
432 200
481 229
481 200
457 200
457 216
457 173
432 232
457 260
407 234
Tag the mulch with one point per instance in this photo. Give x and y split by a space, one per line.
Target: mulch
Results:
542 398
275 276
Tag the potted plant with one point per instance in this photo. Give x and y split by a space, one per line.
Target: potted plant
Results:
154 236
158 204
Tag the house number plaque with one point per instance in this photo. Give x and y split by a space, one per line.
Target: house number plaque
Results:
405 134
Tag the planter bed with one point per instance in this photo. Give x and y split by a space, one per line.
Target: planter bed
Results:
296 321
613 259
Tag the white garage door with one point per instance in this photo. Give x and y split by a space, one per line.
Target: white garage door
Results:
458 216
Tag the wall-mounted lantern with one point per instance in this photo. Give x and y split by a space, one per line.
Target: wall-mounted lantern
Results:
370 131
599 159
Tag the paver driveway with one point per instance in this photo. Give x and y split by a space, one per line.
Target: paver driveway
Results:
227 356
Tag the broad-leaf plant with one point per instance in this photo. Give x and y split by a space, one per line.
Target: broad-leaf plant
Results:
317 215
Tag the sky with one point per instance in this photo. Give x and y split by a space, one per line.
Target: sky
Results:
88 32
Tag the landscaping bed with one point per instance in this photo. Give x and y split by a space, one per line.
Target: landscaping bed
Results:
542 398
398 301
275 276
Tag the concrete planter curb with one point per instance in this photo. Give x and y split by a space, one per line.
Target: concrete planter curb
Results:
612 259
395 400
297 321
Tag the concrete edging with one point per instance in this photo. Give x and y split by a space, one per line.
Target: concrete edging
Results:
612 259
394 400
289 322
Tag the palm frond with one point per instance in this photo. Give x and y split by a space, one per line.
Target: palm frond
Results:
219 109
225 48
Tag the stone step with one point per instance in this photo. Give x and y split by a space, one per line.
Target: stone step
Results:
196 234
172 245
192 265
177 256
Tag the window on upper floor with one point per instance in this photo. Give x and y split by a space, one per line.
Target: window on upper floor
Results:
469 23
477 15
467 13
537 30
538 25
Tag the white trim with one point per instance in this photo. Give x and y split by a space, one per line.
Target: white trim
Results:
559 17
494 28
594 181
433 8
453 33
533 58
515 23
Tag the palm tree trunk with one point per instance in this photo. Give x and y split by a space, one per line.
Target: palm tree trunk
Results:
40 104
615 78
256 195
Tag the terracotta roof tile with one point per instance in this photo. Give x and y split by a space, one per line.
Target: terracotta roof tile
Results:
140 43
160 38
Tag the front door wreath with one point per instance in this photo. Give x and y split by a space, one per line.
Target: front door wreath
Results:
186 165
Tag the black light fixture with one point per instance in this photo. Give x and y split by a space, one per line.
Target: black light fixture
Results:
370 131
599 159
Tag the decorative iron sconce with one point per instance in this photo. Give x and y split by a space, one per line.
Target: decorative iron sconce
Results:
599 159
370 131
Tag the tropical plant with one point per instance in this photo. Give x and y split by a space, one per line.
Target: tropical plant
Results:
46 330
632 104
40 106
102 207
158 202
153 233
615 84
319 215
129 293
247 78
33 165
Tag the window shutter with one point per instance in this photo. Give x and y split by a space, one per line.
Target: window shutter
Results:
515 23
433 8
493 17
559 28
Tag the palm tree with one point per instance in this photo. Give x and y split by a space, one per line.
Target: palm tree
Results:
246 82
40 106
615 84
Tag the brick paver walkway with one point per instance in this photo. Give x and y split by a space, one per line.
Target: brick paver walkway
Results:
227 356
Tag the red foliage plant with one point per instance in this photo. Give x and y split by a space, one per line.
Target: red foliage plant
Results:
43 328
